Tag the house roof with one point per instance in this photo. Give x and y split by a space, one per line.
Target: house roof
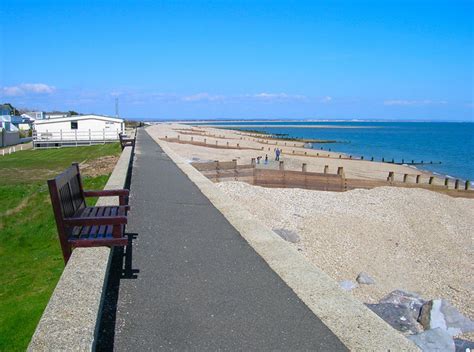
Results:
79 118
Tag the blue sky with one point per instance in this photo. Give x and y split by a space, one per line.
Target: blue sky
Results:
404 60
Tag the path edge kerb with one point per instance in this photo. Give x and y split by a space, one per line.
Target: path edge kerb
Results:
351 321
71 318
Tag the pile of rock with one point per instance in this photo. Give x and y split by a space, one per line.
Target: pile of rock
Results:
432 325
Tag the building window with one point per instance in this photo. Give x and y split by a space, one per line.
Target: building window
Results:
73 125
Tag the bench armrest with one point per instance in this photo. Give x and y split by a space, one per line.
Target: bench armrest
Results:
107 193
97 221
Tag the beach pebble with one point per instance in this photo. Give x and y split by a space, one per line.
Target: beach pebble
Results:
413 301
365 279
347 285
287 235
433 340
398 316
463 345
439 313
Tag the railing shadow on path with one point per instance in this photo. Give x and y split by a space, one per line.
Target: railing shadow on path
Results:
121 268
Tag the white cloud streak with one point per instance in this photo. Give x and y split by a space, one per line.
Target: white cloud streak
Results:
414 102
27 88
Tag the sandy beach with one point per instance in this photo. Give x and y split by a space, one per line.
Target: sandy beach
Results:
361 169
410 239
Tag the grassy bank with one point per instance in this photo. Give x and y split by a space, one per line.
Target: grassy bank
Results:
29 249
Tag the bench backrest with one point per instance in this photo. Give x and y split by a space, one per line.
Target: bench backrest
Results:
67 194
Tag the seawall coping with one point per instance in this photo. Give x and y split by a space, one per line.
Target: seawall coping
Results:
70 320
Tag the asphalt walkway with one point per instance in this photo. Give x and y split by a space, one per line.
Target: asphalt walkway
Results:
200 286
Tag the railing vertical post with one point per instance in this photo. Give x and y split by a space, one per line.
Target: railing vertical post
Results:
103 132
61 136
90 137
75 134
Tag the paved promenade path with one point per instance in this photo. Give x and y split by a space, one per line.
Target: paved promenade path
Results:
200 285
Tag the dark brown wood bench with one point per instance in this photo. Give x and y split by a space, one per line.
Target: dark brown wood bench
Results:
80 225
126 141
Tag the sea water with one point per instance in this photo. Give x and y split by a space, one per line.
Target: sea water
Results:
451 143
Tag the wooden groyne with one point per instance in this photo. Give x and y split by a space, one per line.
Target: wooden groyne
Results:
204 143
218 171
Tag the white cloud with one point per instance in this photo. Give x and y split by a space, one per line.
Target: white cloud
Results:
27 88
326 99
202 97
414 102
275 96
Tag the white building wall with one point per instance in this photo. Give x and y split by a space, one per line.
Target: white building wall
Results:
87 129
82 125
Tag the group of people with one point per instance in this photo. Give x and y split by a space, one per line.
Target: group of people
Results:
277 156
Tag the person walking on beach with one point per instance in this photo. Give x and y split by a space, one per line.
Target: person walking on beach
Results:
266 159
277 154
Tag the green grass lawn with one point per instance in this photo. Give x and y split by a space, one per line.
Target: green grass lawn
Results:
30 255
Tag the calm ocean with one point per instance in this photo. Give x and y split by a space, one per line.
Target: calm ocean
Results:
452 144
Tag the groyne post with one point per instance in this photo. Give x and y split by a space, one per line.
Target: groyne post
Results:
467 185
192 139
205 140
238 146
418 178
281 166
391 176
227 144
178 137
252 162
340 171
430 181
362 157
456 184
446 182
216 143
166 137
326 168
303 167
405 178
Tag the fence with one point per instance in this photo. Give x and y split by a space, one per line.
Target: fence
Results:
226 171
73 138
9 138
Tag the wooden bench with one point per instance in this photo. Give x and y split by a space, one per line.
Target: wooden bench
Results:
126 141
80 225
